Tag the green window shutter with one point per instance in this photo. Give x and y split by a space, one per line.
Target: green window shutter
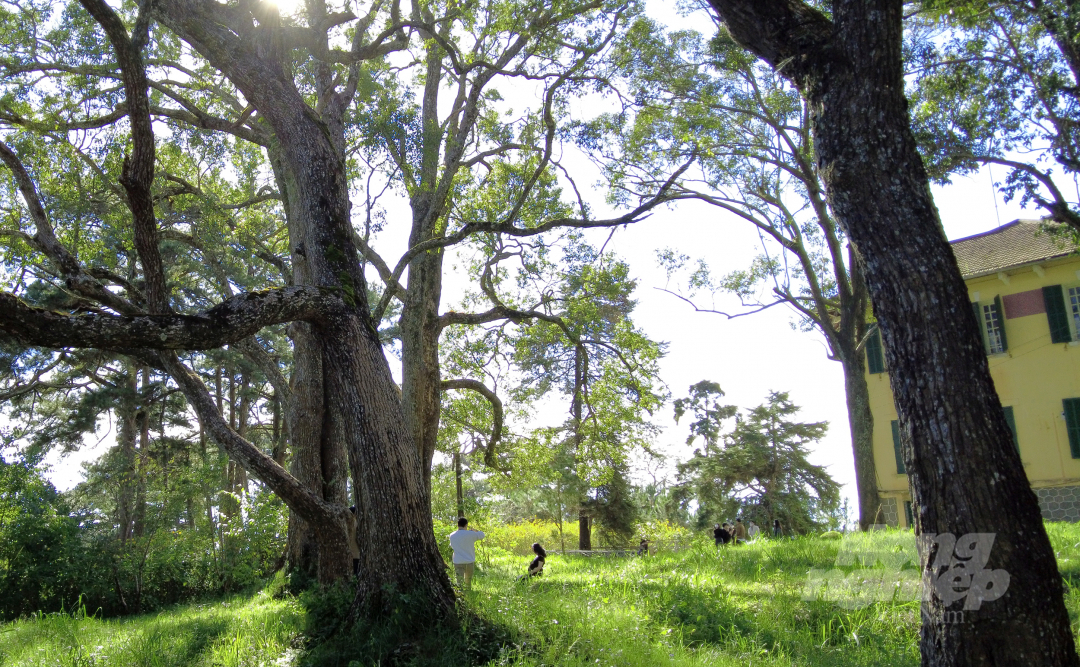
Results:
1072 424
875 360
979 323
1056 315
1012 425
900 469
907 512
1000 311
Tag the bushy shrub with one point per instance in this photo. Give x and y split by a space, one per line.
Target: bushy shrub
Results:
54 555
39 543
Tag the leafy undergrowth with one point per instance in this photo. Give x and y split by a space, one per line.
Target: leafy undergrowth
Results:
699 606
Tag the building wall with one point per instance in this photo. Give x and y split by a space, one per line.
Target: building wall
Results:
1032 376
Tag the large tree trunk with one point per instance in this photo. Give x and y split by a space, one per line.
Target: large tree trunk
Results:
581 371
861 422
305 412
420 327
319 460
584 530
393 505
966 476
142 461
305 415
420 330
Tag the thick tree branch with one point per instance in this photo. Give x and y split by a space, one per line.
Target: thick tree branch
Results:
228 322
787 34
138 170
258 199
496 410
28 387
116 114
197 118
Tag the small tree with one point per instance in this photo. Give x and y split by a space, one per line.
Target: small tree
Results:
759 468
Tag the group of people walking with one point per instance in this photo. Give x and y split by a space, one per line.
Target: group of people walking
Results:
737 532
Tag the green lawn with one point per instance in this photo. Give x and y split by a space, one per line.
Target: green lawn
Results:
735 606
245 630
738 606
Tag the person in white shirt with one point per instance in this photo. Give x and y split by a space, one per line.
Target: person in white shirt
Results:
463 542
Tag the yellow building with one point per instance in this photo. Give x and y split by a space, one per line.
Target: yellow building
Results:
1024 285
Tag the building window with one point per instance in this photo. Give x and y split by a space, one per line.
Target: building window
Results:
991 324
907 513
1074 311
991 317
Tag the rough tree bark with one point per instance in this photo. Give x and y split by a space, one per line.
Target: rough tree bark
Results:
360 395
848 346
305 415
142 417
966 476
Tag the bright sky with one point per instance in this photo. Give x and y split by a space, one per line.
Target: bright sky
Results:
748 356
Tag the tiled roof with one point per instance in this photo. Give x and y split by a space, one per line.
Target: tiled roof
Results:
1019 242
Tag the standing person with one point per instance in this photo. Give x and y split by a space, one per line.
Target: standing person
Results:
463 542
740 532
753 531
721 535
776 532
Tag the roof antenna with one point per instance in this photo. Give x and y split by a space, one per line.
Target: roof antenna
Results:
993 190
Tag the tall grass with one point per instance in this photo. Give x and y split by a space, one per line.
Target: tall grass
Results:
697 606
242 631
701 606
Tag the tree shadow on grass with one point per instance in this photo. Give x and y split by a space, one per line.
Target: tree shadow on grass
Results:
814 632
404 635
178 643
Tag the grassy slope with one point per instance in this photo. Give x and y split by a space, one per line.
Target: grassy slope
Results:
695 607
251 630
